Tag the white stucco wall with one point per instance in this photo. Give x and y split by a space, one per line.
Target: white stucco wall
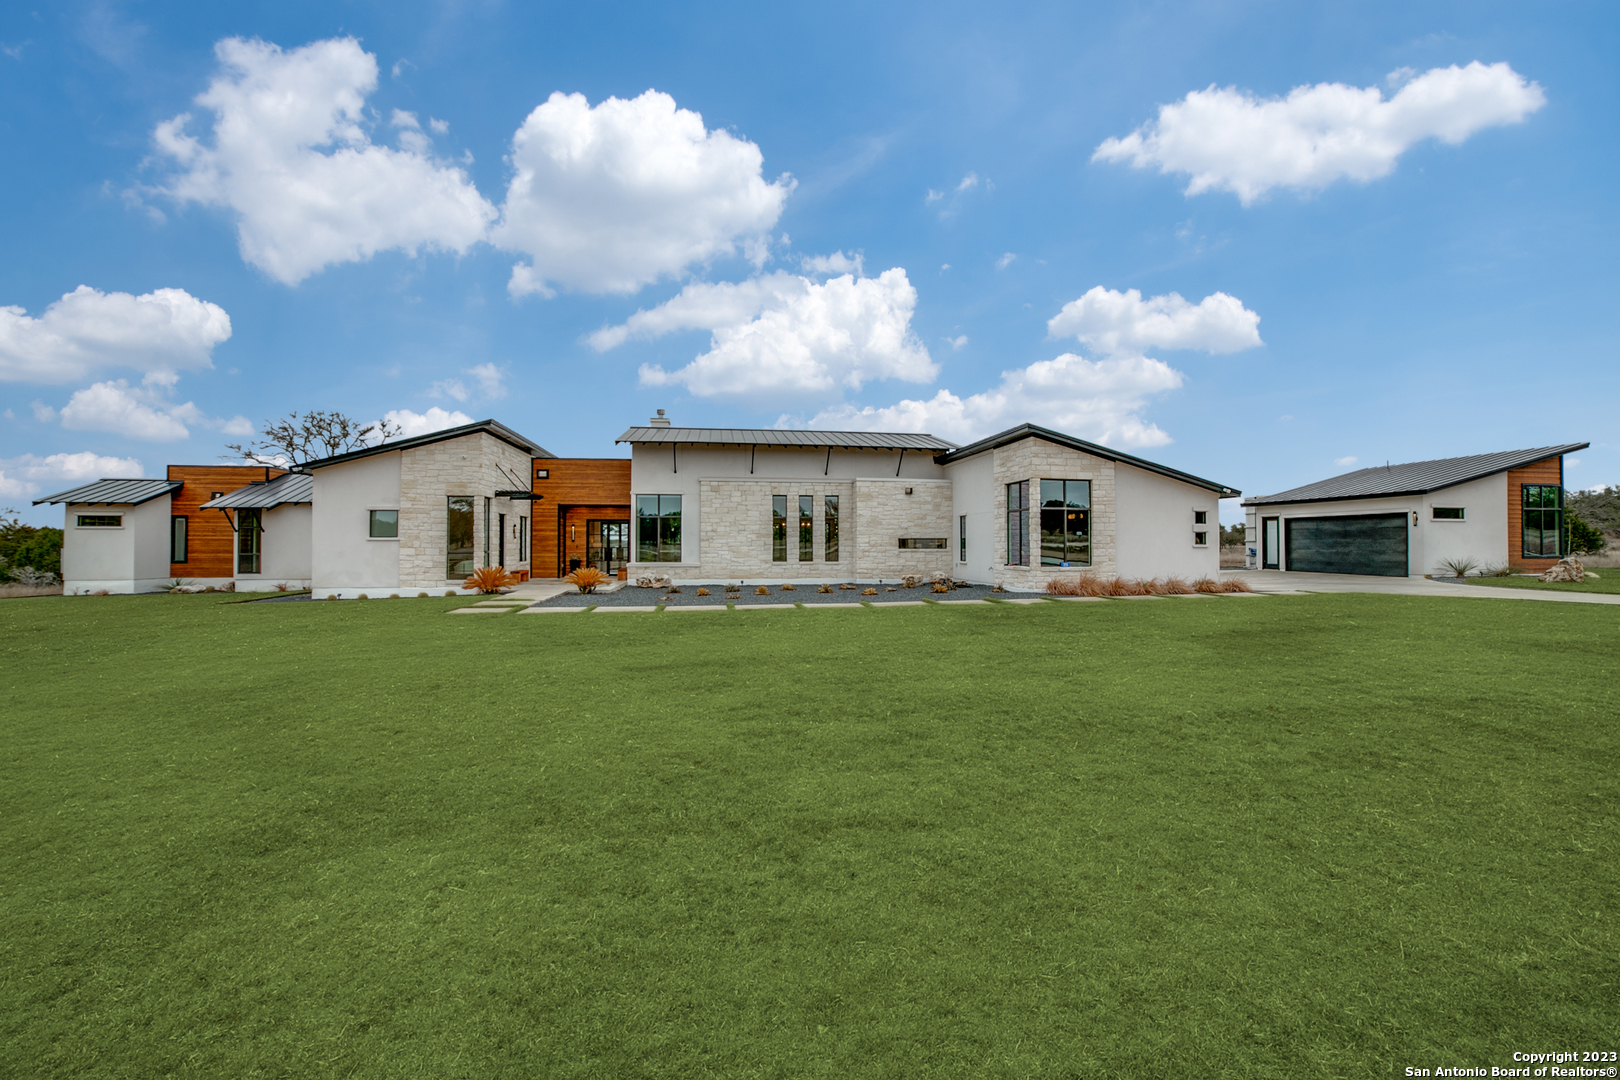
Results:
132 558
973 494
1155 526
285 549
1481 536
344 560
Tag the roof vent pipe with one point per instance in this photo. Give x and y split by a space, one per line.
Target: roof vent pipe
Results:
660 420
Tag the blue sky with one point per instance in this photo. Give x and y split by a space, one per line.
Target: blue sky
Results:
1252 241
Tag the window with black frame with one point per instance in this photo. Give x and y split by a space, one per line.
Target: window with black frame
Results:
1018 524
178 526
961 539
458 536
1543 509
778 528
1065 522
807 528
658 528
829 514
249 542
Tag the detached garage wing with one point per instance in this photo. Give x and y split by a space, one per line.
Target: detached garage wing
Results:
1362 544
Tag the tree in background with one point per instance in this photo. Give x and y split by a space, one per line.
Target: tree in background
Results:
24 547
1581 538
1598 508
300 438
1231 535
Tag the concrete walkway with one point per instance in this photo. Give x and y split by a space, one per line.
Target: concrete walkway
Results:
1280 583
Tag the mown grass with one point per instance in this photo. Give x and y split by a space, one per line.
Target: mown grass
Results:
1604 581
1315 836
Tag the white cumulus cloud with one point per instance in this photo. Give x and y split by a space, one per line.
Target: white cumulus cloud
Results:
415 423
142 412
291 159
26 476
1230 140
164 330
783 335
610 198
1123 323
1345 462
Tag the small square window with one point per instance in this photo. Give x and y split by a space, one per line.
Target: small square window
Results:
542 474
385 524
1200 517
1200 539
1447 513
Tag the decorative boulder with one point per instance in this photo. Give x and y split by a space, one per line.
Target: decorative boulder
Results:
1566 569
654 581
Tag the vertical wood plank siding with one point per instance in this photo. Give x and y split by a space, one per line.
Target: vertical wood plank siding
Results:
1550 471
209 539
598 487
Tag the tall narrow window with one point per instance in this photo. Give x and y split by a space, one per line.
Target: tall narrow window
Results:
523 539
829 514
1018 524
807 528
658 528
961 539
1543 507
248 541
778 528
458 536
487 502
1065 522
177 538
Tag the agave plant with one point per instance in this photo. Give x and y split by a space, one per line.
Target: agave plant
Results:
489 579
586 579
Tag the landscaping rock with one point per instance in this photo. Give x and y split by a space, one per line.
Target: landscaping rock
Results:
1566 569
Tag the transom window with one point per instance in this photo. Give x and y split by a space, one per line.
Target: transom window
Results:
658 528
1543 508
101 521
1018 524
1446 513
1065 522
385 524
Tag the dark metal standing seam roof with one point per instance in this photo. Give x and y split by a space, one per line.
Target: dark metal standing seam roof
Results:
291 488
488 427
115 492
807 440
1413 477
1026 431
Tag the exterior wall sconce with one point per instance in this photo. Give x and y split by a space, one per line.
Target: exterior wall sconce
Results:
571 529
1414 519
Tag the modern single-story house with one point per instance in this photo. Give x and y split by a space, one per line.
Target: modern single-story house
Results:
129 536
1015 509
270 524
420 514
1408 520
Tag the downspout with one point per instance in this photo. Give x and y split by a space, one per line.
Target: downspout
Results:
902 460
674 458
751 450
828 466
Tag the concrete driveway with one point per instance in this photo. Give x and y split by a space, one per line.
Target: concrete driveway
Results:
1279 582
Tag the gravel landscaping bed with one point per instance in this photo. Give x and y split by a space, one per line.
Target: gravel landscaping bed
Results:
800 594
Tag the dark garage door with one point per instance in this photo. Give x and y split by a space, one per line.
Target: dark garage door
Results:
1370 544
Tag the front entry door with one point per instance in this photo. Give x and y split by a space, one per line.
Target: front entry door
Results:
1270 544
607 545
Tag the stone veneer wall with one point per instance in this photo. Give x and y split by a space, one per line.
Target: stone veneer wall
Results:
471 465
734 539
884 513
1035 460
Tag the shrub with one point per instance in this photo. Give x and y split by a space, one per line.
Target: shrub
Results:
34 579
492 579
702 591
1207 585
1497 570
762 591
362 596
586 579
1175 586
1583 539
393 596
868 592
333 596
421 596
823 588
787 588
451 592
1459 568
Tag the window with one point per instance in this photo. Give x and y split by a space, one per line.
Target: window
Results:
1200 517
458 536
249 533
1446 513
177 538
1018 524
1200 539
542 474
1065 522
658 528
924 543
807 528
829 517
101 521
1543 507
487 502
523 539
961 539
778 528
385 524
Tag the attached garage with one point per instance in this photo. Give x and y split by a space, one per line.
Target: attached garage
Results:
1360 544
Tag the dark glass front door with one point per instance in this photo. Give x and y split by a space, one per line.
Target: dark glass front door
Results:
607 545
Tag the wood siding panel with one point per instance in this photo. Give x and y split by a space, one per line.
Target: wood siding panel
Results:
1550 471
209 538
600 487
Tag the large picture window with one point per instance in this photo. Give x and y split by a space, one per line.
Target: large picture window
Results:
249 541
178 527
807 528
458 536
1543 507
658 528
1018 524
829 514
1065 522
778 528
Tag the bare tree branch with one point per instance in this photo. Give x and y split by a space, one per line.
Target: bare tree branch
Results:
297 439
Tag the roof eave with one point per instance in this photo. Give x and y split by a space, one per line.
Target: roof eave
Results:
1035 431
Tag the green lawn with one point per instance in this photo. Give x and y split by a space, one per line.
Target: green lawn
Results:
1312 836
1605 581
